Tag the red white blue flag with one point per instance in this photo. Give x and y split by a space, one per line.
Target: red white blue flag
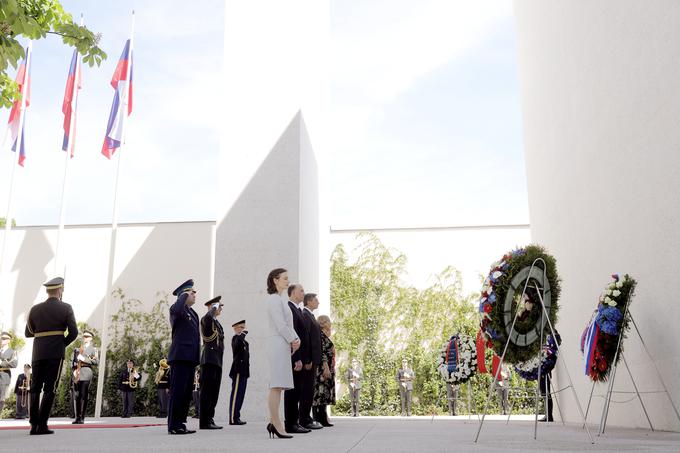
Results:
122 97
590 344
17 116
70 104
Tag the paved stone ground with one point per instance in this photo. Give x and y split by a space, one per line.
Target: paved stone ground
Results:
363 434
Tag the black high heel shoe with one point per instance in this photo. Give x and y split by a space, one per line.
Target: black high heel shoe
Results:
271 429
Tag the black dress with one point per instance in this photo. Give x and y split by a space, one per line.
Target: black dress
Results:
324 389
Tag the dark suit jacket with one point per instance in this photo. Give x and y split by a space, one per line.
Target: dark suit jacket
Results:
314 336
186 339
213 341
241 363
303 352
51 315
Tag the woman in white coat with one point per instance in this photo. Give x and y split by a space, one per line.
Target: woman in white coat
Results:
282 341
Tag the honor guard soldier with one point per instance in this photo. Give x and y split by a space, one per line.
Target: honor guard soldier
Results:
8 360
239 372
162 380
48 322
185 352
211 362
354 377
22 391
127 384
84 358
405 377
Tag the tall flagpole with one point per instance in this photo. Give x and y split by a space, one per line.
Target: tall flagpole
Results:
114 231
20 136
58 269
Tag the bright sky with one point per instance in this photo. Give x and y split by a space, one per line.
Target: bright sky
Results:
426 126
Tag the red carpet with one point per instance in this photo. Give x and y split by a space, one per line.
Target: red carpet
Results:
91 425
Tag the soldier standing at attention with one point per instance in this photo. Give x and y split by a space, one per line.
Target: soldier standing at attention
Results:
21 388
162 385
211 363
185 354
84 359
127 383
354 377
8 360
239 372
405 377
48 322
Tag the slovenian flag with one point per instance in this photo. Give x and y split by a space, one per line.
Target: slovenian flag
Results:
17 116
70 104
122 96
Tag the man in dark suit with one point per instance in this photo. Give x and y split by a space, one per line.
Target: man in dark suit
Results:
211 363
239 372
48 322
311 303
291 397
185 351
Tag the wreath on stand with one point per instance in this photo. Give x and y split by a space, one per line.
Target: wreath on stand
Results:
458 360
600 339
546 360
504 301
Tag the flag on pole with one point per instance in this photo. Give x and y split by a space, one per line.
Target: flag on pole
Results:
70 104
15 121
122 96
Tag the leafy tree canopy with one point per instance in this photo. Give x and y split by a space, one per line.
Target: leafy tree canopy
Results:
35 19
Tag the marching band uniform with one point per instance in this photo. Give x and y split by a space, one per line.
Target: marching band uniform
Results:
185 351
47 322
354 377
84 358
239 372
405 376
211 363
8 360
21 390
128 382
162 379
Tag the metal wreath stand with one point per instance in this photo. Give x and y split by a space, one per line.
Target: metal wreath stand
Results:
525 275
610 386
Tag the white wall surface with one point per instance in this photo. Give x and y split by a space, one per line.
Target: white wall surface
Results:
150 258
601 106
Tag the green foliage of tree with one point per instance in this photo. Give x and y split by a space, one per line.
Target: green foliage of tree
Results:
35 19
3 222
379 320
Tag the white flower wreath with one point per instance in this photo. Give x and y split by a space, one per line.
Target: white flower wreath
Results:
466 363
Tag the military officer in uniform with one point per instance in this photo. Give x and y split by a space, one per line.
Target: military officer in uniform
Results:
354 378
48 322
211 362
127 384
8 360
185 352
239 372
21 391
405 377
162 380
84 358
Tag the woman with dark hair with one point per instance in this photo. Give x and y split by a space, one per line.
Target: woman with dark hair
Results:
282 341
324 389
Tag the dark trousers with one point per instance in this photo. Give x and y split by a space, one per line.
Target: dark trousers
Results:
545 390
307 396
238 393
211 378
163 397
181 386
81 391
291 401
128 403
45 379
21 410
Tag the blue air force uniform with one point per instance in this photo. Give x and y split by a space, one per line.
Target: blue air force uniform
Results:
239 374
184 355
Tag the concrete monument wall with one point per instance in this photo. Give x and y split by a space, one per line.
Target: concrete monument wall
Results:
601 106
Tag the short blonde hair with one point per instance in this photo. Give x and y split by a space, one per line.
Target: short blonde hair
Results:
324 320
